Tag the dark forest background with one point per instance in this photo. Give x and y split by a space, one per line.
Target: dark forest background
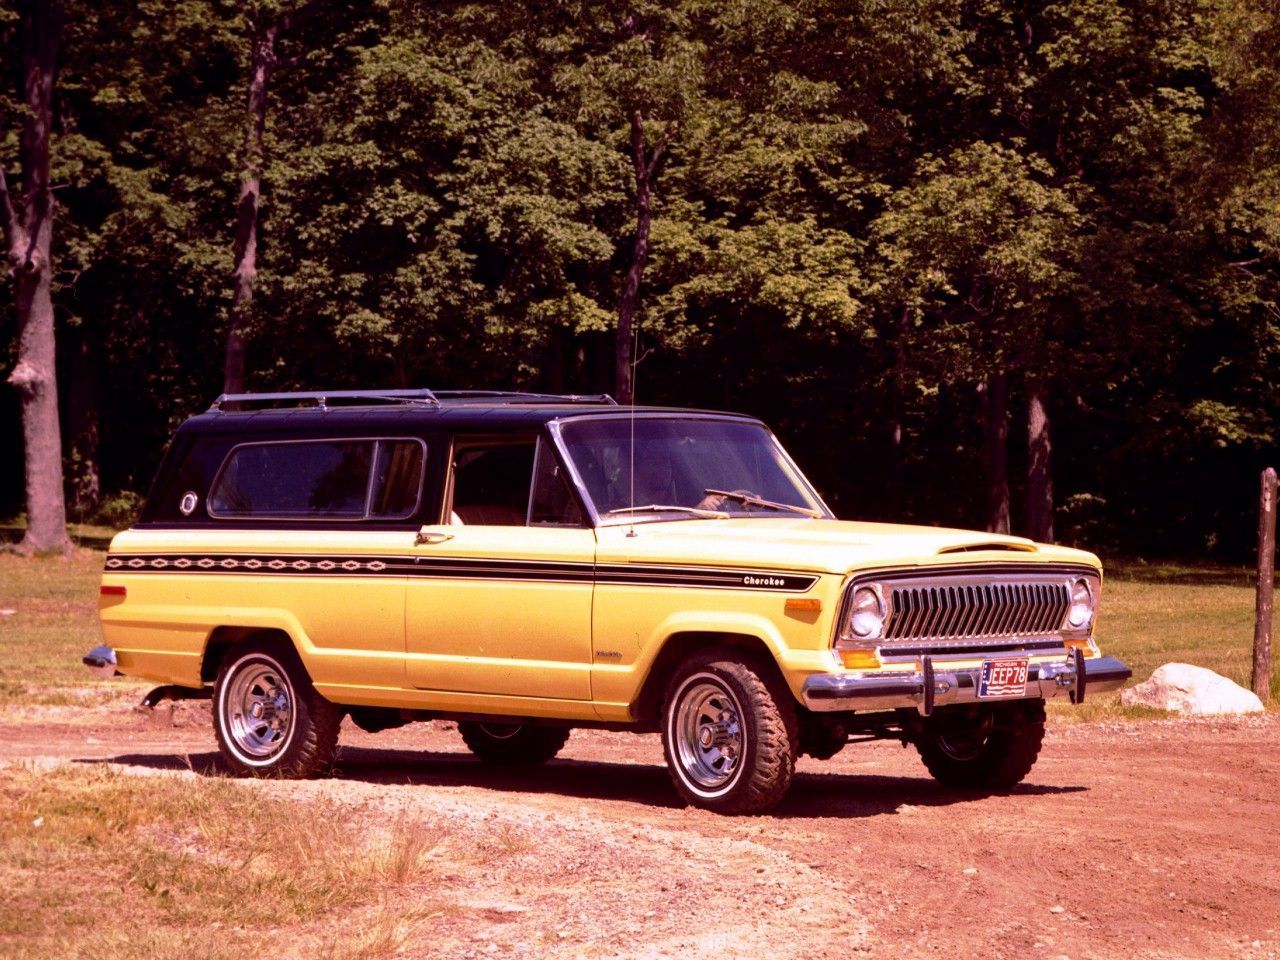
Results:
967 257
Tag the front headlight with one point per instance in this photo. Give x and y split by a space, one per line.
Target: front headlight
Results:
866 614
1083 603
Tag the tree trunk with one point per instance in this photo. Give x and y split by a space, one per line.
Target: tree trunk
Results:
82 427
645 162
997 451
245 270
264 60
898 400
553 370
28 227
1039 463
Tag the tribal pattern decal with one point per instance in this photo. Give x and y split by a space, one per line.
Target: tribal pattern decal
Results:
462 568
235 564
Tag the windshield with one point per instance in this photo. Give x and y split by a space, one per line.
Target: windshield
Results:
694 468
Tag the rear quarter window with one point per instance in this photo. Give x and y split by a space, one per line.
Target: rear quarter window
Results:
339 479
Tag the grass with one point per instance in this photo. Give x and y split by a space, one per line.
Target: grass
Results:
48 621
1167 613
104 865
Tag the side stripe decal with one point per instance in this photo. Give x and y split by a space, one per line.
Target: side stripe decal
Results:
461 568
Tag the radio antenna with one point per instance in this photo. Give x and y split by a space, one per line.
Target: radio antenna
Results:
635 360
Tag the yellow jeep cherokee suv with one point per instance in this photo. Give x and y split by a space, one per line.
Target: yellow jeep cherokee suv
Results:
525 564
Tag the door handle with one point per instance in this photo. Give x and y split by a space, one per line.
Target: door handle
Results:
431 536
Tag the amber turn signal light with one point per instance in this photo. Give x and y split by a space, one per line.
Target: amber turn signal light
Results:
803 605
859 659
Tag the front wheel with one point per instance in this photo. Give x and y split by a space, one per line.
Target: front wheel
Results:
269 719
513 744
730 737
983 748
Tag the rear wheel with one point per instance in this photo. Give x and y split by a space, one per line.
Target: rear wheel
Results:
268 718
983 747
729 736
513 744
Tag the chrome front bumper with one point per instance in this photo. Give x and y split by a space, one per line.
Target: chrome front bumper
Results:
889 689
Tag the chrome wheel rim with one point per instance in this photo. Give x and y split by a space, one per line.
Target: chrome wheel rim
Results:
259 709
707 733
501 731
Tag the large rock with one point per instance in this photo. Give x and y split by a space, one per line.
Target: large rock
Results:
1193 690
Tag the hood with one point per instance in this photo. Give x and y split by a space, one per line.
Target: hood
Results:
828 546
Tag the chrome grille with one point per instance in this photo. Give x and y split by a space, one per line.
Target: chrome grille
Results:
975 609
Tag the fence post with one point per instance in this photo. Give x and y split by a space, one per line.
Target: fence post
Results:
1266 585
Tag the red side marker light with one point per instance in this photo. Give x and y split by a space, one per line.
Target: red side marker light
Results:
107 591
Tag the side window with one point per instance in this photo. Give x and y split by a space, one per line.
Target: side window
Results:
491 482
320 479
397 479
552 502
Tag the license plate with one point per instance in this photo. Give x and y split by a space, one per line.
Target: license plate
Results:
1003 678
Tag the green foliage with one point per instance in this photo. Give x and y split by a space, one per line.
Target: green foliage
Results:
117 512
863 209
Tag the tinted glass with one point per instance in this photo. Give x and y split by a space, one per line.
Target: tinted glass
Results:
491 483
553 503
397 479
677 462
310 479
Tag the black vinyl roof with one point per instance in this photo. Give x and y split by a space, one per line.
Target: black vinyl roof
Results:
471 415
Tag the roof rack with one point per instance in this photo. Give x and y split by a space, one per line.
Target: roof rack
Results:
322 398
517 396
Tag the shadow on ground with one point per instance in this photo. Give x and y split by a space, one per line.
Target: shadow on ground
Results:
812 794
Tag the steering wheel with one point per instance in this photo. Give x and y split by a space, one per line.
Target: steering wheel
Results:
715 499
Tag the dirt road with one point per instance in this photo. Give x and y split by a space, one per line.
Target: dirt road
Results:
1149 839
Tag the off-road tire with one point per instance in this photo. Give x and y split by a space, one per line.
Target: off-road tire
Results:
998 762
307 743
516 744
762 731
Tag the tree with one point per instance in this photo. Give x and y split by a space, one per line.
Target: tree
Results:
646 159
28 229
980 245
437 219
267 27
635 76
146 104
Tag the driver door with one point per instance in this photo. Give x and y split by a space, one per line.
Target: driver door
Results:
499 602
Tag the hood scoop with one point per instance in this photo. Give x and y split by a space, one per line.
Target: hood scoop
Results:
1005 545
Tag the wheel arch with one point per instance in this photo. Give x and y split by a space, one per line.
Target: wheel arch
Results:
224 639
680 647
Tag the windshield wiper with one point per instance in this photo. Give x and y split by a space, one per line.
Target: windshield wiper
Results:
754 501
664 508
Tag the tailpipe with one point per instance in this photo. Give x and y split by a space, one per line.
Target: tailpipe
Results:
101 662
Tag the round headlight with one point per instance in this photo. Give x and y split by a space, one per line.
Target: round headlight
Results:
1081 610
866 614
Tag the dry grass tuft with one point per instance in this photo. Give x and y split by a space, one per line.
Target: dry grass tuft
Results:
383 933
96 863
